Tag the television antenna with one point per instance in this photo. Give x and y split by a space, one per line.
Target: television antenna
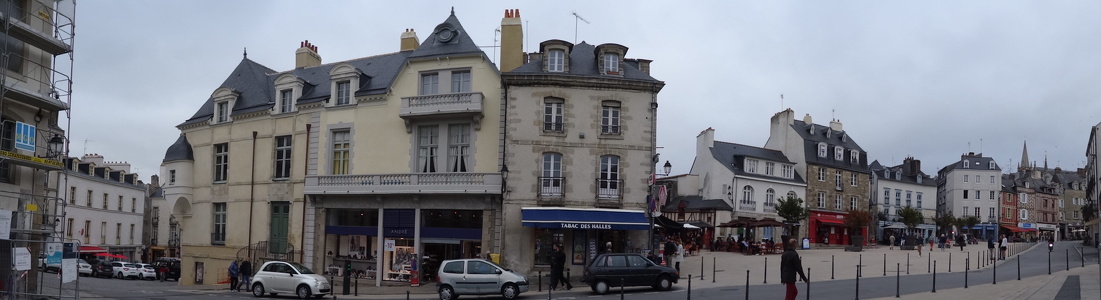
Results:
575 18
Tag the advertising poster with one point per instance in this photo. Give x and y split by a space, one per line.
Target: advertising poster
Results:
578 247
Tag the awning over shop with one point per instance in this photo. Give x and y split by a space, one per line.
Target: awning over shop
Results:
91 249
584 218
701 224
832 221
1012 228
667 223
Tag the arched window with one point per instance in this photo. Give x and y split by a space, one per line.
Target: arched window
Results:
770 197
791 194
747 194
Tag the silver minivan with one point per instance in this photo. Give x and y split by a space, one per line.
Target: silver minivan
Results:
478 277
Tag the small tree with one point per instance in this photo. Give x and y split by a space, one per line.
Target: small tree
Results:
969 222
910 217
855 220
792 210
944 221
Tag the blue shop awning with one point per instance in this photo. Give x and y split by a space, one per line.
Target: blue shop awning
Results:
584 218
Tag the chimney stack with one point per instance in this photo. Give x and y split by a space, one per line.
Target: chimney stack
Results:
306 56
644 65
512 41
835 125
409 40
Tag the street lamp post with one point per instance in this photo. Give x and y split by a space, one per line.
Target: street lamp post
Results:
653 197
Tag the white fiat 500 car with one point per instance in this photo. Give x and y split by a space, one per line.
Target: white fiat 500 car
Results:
276 277
478 277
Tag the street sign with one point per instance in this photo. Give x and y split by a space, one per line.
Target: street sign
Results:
53 253
21 258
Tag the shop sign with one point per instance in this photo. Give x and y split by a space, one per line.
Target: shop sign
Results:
389 245
586 226
404 231
1027 225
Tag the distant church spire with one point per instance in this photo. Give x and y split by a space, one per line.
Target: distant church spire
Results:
1024 157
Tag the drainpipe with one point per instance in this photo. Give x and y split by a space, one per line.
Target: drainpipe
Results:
251 194
305 168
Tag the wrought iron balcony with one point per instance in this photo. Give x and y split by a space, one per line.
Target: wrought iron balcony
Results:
442 105
609 189
551 187
420 183
747 205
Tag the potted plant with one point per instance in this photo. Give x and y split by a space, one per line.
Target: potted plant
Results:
856 220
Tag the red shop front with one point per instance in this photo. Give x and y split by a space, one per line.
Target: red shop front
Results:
829 228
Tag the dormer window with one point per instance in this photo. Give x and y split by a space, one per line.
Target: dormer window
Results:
838 153
556 60
854 156
286 101
343 92
898 175
919 182
822 150
223 112
966 164
886 173
991 165
611 63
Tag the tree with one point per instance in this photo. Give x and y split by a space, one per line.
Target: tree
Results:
792 210
1089 212
910 216
855 220
944 221
969 222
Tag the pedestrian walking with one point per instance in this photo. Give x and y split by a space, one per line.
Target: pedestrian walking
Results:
943 240
791 264
892 239
961 241
680 255
246 274
920 244
233 275
1003 247
931 238
670 251
558 266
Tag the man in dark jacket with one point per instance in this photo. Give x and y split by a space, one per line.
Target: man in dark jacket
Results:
560 261
670 250
246 274
791 264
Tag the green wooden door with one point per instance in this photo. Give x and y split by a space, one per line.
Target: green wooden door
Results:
280 226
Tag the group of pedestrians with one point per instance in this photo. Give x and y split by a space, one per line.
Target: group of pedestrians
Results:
242 271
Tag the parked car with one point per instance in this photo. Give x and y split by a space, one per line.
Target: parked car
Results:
478 277
167 268
102 268
146 271
83 268
627 269
123 270
276 277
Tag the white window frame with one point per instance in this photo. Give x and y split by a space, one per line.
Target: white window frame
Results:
343 92
838 153
770 168
609 184
610 118
282 157
821 174
837 179
965 210
554 119
747 194
221 162
837 202
855 156
821 200
461 81
428 143
459 148
852 179
611 63
852 202
966 178
341 149
552 179
218 223
966 164
286 100
822 150
429 83
750 166
787 170
556 60
770 197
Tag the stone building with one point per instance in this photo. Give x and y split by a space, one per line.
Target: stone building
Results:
835 168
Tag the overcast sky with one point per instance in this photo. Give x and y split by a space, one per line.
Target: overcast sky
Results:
929 79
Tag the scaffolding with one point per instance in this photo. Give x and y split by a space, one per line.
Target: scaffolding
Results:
36 58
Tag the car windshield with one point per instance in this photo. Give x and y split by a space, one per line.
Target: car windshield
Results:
82 261
301 269
129 265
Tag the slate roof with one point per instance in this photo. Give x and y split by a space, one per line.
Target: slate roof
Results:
180 150
835 138
733 157
256 83
696 203
978 162
877 170
583 63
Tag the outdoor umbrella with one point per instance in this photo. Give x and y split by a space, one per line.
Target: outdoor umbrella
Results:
767 222
119 256
105 254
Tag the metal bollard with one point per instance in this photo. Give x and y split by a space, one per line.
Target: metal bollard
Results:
567 279
995 267
929 263
859 262
934 278
858 282
765 277
808 284
701 267
747 284
907 263
949 262
689 289
1068 259
966 267
1018 268
831 266
540 281
406 295
897 269
357 287
712 269
1049 262
884 264
621 284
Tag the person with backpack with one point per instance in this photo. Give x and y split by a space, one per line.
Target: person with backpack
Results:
233 276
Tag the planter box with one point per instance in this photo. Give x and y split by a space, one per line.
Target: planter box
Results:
854 248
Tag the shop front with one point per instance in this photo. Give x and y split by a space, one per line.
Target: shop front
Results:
353 237
582 232
981 231
829 228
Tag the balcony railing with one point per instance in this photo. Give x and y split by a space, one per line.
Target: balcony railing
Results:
747 205
770 208
553 127
609 189
441 104
551 187
423 183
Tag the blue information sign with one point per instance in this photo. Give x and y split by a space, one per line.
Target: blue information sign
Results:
24 136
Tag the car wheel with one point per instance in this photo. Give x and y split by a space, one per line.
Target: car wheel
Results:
447 293
601 287
303 291
119 275
510 291
257 290
664 283
95 274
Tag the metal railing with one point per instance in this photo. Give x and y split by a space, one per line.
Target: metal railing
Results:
404 179
553 126
747 205
442 103
609 188
551 187
609 129
217 238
